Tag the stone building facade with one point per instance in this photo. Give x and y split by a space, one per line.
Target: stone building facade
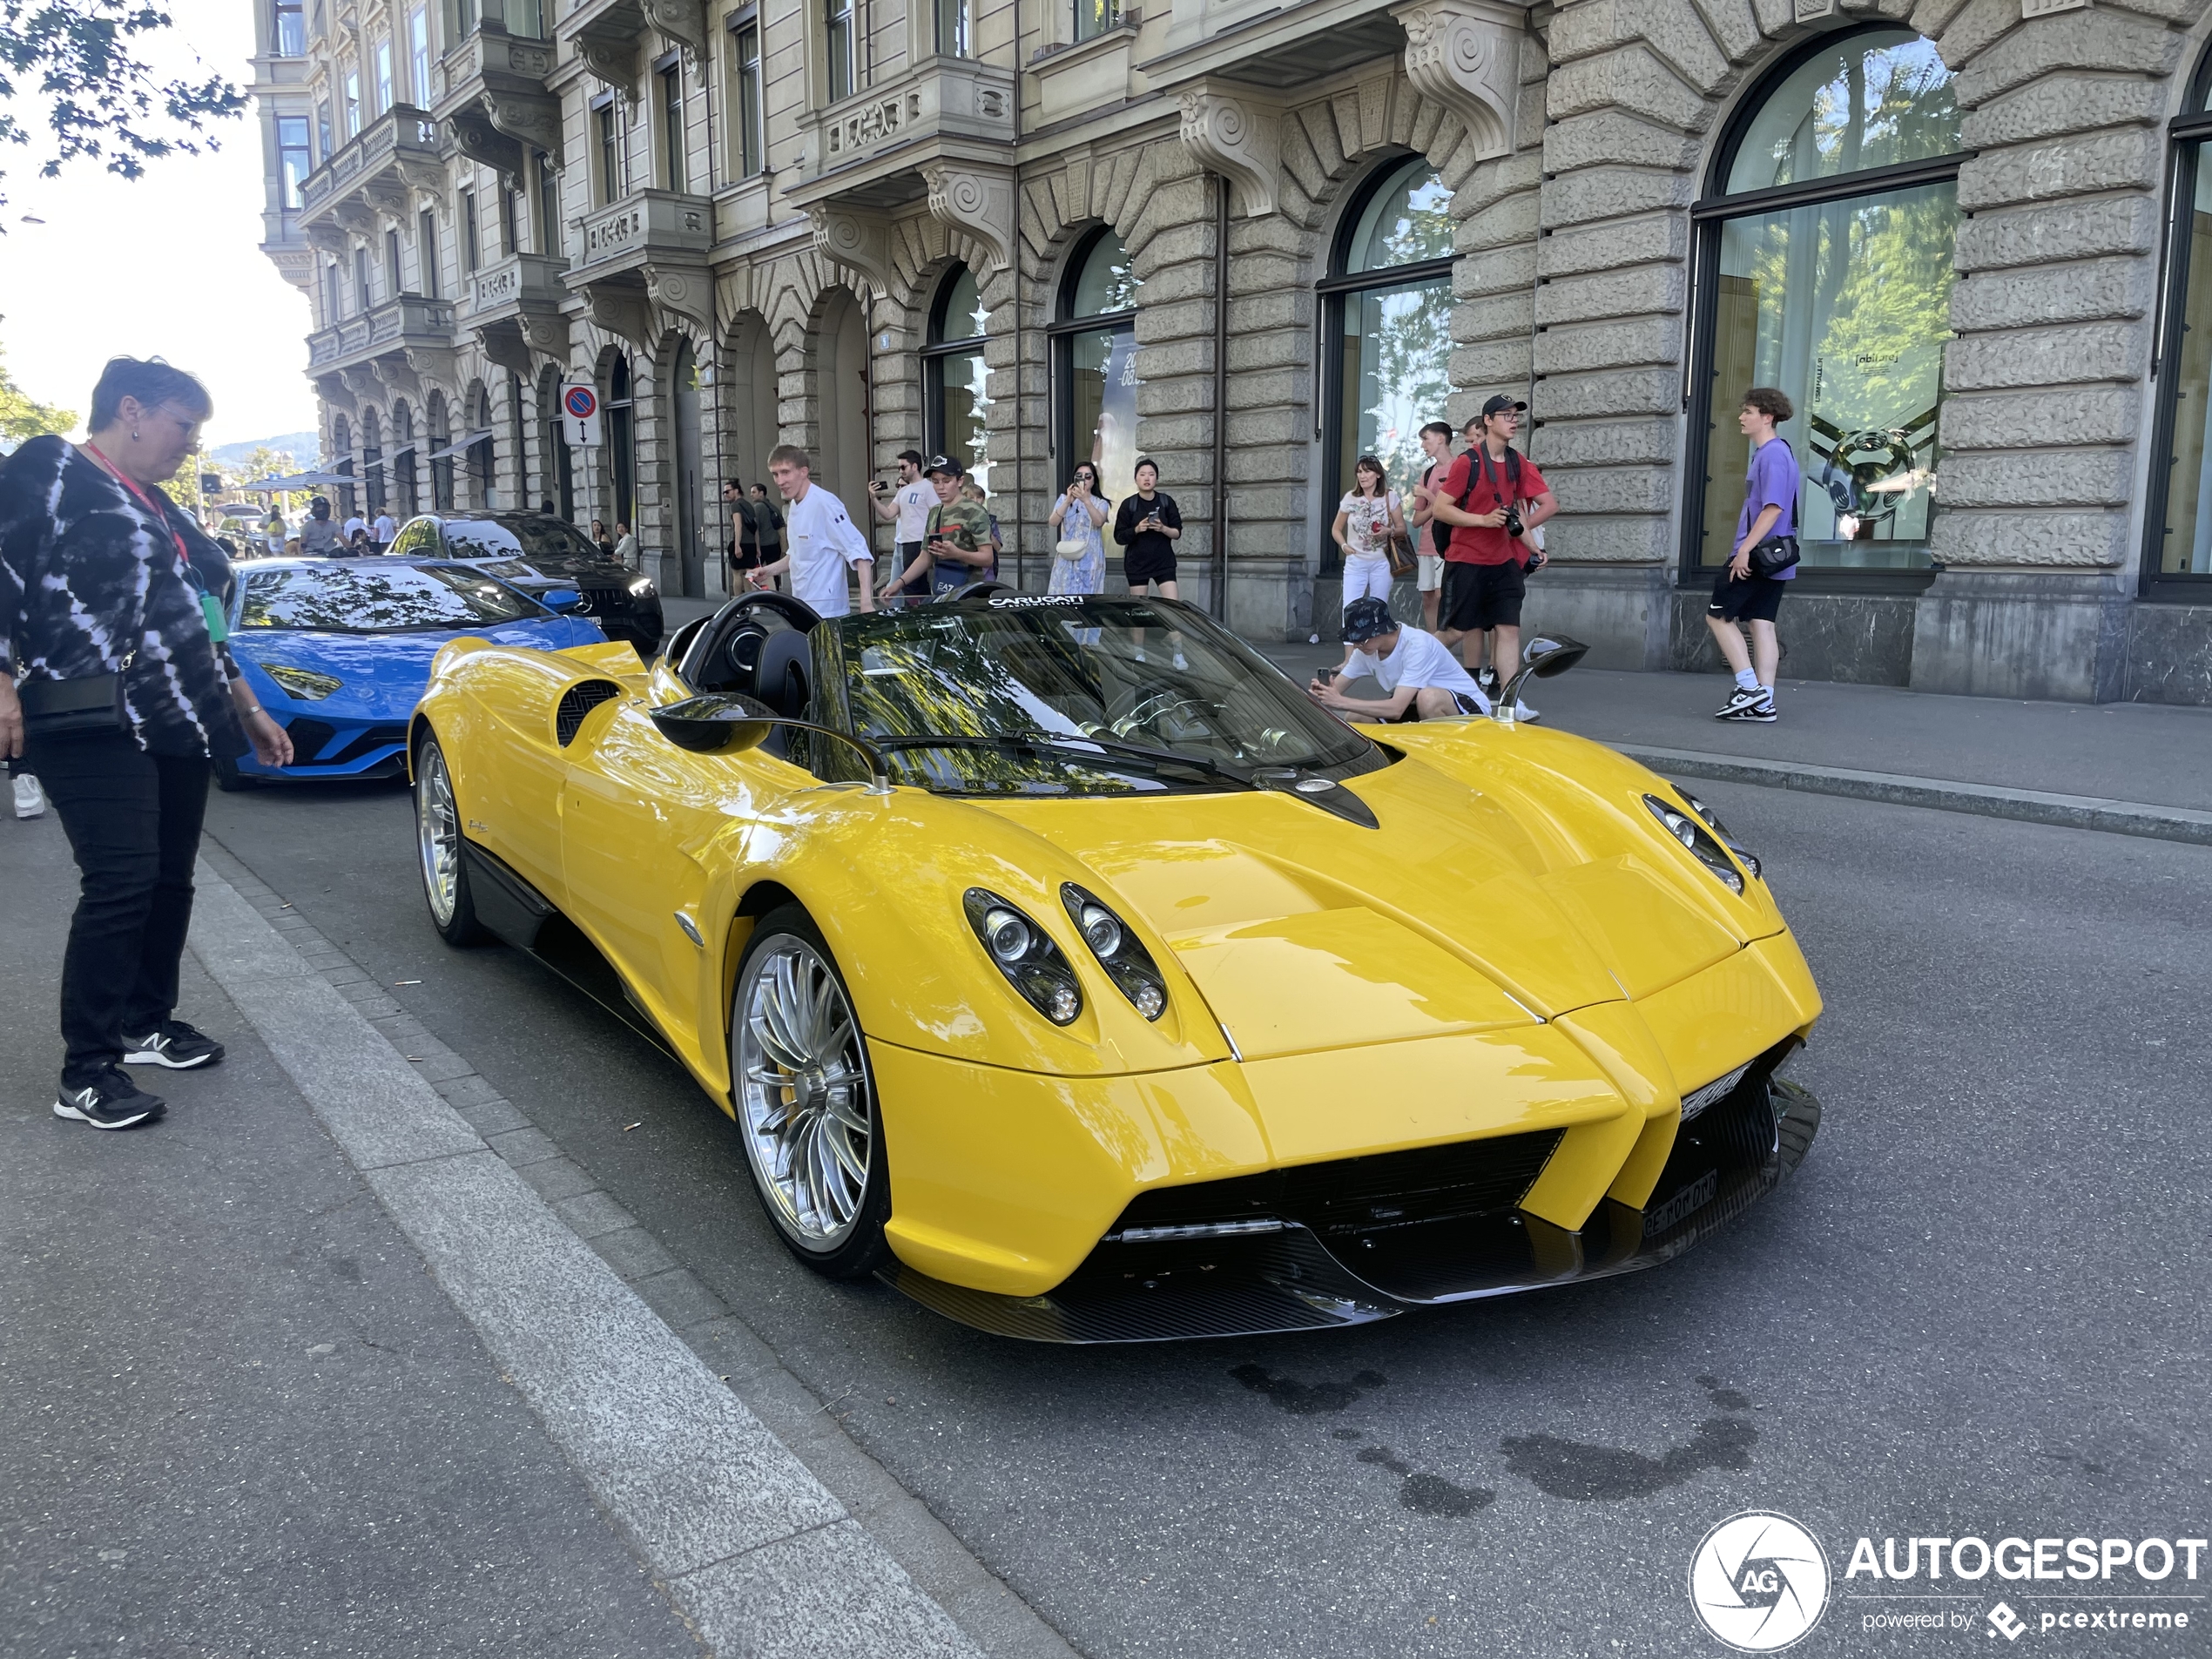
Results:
1255 240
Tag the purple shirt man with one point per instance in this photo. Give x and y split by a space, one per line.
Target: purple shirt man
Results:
1772 482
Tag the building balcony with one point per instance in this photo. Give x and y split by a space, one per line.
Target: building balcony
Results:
514 309
396 153
641 264
394 325
864 150
495 100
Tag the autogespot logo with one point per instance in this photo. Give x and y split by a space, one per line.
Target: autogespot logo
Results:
1759 1581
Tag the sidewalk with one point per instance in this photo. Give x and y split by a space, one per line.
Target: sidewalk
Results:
2141 768
323 1363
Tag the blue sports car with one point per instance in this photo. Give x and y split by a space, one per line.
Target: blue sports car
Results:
338 650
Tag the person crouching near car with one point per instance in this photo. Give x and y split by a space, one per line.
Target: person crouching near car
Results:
1419 678
110 597
1741 595
1491 497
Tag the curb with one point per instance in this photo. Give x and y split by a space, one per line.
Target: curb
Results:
1985 800
759 1517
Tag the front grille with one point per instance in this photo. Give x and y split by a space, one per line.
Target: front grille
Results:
375 738
578 701
308 738
1359 1195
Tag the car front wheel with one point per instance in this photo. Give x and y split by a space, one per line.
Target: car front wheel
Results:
437 833
806 1103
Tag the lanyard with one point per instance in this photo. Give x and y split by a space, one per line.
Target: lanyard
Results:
210 606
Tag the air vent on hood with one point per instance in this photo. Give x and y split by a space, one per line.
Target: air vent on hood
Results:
578 701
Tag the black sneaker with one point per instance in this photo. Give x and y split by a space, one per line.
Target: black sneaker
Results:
111 1101
1759 708
1487 679
176 1045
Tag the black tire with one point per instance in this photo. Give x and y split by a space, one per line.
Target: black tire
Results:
438 854
828 1220
230 780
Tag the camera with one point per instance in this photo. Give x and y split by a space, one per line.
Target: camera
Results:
1513 525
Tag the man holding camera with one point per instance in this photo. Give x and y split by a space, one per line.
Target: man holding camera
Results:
1491 498
908 502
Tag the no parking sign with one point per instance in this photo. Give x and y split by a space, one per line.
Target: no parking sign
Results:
580 414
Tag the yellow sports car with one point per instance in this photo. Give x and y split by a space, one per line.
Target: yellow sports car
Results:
1062 961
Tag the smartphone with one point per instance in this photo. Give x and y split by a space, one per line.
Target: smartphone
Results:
1326 676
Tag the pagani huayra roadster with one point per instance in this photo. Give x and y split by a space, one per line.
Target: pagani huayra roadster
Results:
1062 961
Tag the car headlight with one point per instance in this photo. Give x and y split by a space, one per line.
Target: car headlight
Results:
1749 860
1695 837
1126 962
302 684
642 586
1025 954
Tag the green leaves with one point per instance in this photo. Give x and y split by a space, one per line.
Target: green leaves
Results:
24 417
79 59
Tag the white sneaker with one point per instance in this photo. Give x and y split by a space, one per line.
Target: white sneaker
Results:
1522 711
31 800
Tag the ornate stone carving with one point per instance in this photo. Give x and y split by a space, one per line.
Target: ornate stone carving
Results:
534 123
622 310
332 390
859 241
399 376
614 60
362 379
687 295
504 343
486 144
977 200
682 25
1235 134
546 335
1467 56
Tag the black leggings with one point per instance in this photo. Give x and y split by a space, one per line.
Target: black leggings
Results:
133 821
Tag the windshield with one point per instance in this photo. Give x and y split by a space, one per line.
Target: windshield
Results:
1144 698
533 538
379 598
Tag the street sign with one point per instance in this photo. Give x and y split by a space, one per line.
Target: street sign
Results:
580 414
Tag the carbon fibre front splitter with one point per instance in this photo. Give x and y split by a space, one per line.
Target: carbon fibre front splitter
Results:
1292 1278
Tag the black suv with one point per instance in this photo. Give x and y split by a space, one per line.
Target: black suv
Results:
538 553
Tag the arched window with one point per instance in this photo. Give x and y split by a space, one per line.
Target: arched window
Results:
404 496
481 456
1824 270
438 432
341 452
622 442
1094 364
956 408
2177 559
1386 313
372 464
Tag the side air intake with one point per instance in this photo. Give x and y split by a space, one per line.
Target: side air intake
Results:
578 701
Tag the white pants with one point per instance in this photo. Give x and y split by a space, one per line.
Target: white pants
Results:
1366 578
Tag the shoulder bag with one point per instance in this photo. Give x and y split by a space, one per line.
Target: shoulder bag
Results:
1777 553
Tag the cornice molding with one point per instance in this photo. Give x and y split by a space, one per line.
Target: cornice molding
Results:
976 200
1465 54
1236 134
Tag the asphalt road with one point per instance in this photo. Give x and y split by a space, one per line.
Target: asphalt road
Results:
1975 1311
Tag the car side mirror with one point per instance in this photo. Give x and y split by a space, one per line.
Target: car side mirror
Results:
567 601
730 722
1544 657
717 723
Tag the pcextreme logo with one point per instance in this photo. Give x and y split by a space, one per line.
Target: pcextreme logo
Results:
1759 1581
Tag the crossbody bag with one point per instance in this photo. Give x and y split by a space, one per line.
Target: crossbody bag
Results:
1777 553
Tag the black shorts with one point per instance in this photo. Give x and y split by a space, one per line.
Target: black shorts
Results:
1412 712
1139 568
1756 598
1478 597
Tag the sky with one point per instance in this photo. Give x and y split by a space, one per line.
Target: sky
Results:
169 265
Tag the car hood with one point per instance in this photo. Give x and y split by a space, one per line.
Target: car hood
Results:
1537 886
382 677
540 571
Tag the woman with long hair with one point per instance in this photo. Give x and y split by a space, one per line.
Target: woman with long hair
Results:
1079 521
1366 518
112 603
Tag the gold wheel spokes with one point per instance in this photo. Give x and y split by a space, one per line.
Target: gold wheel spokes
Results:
803 1094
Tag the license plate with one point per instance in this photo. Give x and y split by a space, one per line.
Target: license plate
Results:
1688 1201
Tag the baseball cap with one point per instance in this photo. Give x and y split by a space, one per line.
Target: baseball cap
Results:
1500 403
945 464
1366 619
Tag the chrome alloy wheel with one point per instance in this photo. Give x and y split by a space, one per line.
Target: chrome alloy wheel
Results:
437 829
806 1107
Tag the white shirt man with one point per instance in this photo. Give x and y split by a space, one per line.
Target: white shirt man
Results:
909 504
356 522
383 529
823 539
1419 677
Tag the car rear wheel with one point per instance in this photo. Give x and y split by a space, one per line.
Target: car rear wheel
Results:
807 1102
230 780
437 833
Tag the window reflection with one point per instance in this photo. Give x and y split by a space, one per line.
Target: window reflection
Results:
1098 365
378 599
1393 367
